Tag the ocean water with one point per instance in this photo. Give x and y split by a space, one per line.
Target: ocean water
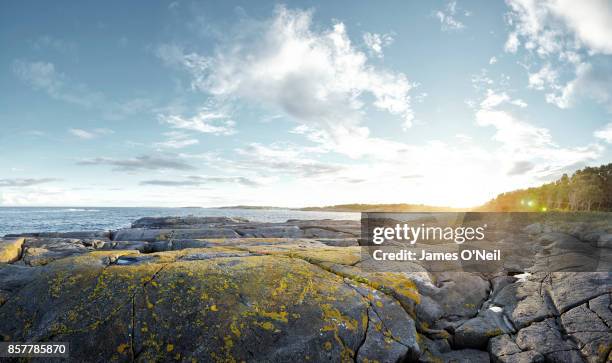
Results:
64 219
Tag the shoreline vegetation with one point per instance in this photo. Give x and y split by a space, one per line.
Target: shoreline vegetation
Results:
588 189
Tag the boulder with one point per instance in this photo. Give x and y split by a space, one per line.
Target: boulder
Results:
545 338
605 241
124 245
570 289
602 306
592 335
535 228
14 277
459 294
524 302
272 308
476 332
203 233
389 334
504 350
41 251
10 249
464 356
271 232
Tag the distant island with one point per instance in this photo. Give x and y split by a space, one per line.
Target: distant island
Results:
252 207
355 207
400 207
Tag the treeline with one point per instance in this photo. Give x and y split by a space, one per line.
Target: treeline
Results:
589 189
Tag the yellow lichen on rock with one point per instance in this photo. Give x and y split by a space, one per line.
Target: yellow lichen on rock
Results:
10 249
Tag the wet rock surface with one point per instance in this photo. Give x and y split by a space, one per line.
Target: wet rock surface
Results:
226 289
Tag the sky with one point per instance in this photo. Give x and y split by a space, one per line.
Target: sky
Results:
299 103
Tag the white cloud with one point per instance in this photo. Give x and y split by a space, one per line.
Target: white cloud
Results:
282 159
205 121
520 103
545 77
82 133
592 81
197 180
316 76
481 80
177 140
171 54
139 163
605 133
512 132
40 75
525 148
44 76
565 32
512 43
493 60
86 135
591 21
24 182
376 42
493 99
448 17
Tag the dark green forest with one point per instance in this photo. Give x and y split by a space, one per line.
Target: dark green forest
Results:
588 189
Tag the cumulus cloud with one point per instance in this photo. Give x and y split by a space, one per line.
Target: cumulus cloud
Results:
605 133
86 135
139 163
590 21
567 36
196 180
526 147
592 80
550 26
25 182
316 76
448 17
205 121
376 42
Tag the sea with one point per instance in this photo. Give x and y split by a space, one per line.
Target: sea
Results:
66 219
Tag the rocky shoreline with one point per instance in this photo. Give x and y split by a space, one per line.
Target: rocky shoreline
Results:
229 290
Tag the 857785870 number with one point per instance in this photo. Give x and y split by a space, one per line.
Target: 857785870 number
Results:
51 349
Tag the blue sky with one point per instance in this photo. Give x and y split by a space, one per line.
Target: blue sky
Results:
177 103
